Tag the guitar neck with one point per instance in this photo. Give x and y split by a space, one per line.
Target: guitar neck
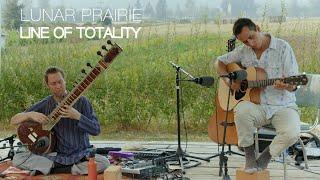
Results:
264 83
75 94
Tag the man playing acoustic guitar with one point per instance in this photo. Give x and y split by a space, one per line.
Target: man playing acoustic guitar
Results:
277 103
72 132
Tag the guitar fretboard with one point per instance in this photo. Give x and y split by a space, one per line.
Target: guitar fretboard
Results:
295 80
261 83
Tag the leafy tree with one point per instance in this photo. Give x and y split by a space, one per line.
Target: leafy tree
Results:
190 6
44 4
161 9
149 11
224 6
250 8
27 4
106 21
247 7
11 15
178 12
138 5
293 8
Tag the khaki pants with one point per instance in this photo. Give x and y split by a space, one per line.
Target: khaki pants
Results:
286 121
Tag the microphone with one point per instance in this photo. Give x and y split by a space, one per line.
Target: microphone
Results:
236 75
206 81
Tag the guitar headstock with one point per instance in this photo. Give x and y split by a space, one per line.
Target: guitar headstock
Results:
110 53
297 80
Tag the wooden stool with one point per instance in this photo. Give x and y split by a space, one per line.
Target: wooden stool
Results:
259 175
112 173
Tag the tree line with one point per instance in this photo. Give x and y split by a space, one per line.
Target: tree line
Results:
185 10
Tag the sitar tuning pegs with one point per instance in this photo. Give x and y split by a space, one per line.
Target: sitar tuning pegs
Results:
99 53
75 84
83 71
89 65
104 47
109 42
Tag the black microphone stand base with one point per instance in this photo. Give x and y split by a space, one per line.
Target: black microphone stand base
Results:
182 157
229 152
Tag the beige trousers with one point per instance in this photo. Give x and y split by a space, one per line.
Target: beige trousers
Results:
286 121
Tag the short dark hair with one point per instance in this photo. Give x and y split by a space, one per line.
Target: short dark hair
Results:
243 22
52 70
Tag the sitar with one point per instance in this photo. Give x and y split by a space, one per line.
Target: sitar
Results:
40 139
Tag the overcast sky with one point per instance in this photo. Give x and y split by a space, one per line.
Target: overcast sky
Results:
171 3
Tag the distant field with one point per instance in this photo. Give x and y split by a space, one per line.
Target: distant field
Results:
138 91
310 25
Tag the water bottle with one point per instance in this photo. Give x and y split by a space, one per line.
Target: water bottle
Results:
92 167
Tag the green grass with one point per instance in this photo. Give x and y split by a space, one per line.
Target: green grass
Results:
110 134
137 93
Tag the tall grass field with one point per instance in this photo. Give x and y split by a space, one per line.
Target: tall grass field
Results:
138 90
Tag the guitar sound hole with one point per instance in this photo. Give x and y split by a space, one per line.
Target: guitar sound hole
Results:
242 91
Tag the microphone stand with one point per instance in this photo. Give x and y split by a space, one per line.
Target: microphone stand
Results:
179 153
223 159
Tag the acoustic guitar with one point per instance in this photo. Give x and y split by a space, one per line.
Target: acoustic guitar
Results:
39 138
250 90
251 87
